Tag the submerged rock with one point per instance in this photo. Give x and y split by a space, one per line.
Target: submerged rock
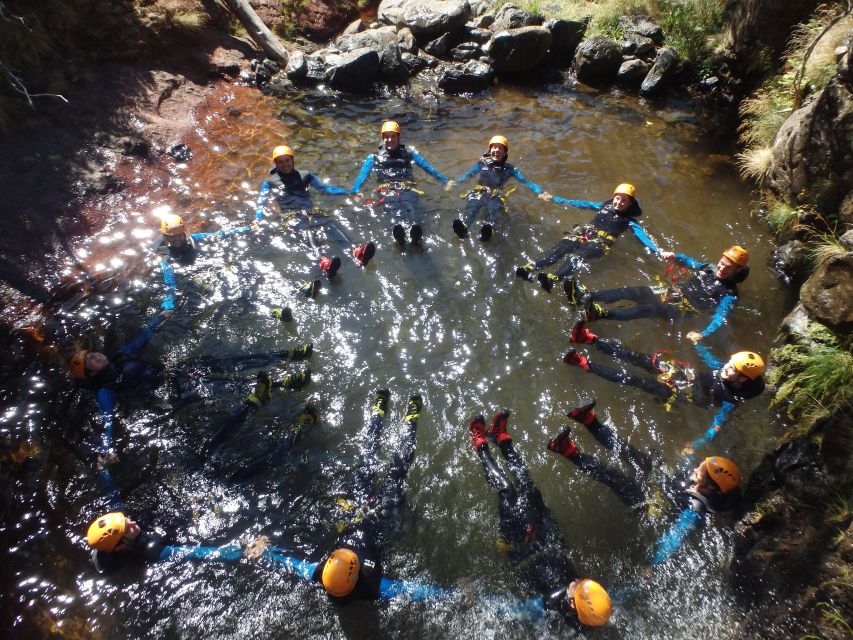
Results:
468 78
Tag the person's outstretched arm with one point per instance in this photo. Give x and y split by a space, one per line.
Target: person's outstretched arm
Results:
578 204
326 188
644 238
263 196
670 542
426 166
168 303
471 172
363 174
707 357
722 311
228 552
716 424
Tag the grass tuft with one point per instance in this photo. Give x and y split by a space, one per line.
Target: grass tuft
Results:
824 248
754 163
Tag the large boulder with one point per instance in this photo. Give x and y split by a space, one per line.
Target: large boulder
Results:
510 16
376 39
632 72
665 66
468 78
597 60
406 40
518 50
643 26
633 44
828 294
812 160
566 35
353 70
297 66
759 26
427 19
391 67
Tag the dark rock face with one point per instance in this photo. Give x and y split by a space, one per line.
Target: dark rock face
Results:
597 59
519 49
510 16
427 19
473 76
633 72
812 155
297 67
391 67
754 25
376 39
442 44
566 35
354 70
828 294
662 71
643 26
633 44
321 20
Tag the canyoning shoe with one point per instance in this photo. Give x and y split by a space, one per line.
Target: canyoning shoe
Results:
364 253
564 445
574 292
302 352
308 417
585 415
380 402
573 358
547 281
283 314
295 380
262 393
310 289
399 235
477 426
485 232
525 272
330 266
413 408
582 335
593 311
460 228
497 430
416 233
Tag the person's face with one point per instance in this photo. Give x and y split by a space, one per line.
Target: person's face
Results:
726 268
498 152
131 533
729 374
176 239
699 475
96 362
622 202
284 163
391 140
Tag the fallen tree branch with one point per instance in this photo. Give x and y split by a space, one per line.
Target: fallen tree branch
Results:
258 30
18 85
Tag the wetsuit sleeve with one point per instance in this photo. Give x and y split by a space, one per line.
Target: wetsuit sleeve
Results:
671 541
472 171
302 568
263 195
362 174
535 188
643 237
719 317
171 286
326 188
687 261
228 552
716 424
426 166
416 591
707 357
106 399
577 204
145 335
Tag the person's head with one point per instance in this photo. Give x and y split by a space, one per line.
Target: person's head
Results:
112 532
732 262
86 363
173 230
390 133
715 475
340 572
742 367
590 602
623 196
282 157
498 148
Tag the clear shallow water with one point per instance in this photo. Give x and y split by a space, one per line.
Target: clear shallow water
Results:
451 323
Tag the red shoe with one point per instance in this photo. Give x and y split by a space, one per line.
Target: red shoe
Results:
585 415
497 430
574 358
564 445
330 266
477 425
364 253
582 335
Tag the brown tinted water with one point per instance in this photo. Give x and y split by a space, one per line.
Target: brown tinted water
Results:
451 323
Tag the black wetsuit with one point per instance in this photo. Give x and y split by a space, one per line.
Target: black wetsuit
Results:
488 200
147 547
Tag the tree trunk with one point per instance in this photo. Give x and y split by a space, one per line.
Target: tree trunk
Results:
258 30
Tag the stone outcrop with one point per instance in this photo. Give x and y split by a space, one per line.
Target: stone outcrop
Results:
519 49
597 60
427 19
828 294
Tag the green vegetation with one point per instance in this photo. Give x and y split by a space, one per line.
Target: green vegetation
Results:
825 247
832 615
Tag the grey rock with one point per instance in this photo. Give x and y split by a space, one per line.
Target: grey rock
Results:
510 16
247 76
484 21
475 34
357 26
392 69
415 64
468 78
316 69
632 72
665 66
466 51
518 50
406 40
597 59
429 61
441 45
633 44
828 294
427 19
846 240
566 35
297 67
354 70
791 259
280 85
272 66
643 26
376 39
481 7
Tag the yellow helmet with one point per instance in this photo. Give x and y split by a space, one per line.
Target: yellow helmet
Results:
499 140
78 364
105 532
723 472
625 189
390 127
592 603
340 572
281 150
172 225
737 254
748 363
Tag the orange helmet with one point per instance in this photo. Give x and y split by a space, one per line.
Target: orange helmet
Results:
390 127
282 150
499 140
340 572
723 472
625 189
737 254
78 364
105 532
172 225
748 363
592 603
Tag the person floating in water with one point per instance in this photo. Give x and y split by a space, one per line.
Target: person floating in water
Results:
591 240
291 189
176 245
396 188
723 384
711 487
530 535
711 287
487 201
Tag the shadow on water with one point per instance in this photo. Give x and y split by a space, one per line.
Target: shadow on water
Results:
451 323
